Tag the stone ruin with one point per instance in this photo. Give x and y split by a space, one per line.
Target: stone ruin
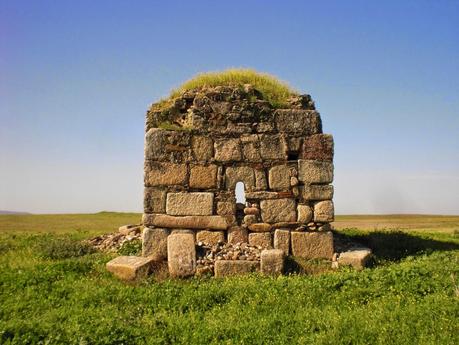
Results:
209 142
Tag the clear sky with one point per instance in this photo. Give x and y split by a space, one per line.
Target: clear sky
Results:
77 76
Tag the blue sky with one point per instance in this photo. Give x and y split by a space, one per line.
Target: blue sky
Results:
77 76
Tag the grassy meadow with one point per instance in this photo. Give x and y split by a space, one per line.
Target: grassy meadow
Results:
55 290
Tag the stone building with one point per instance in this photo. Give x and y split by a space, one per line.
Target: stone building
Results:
208 142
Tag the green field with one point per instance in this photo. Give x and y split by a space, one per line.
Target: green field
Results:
54 290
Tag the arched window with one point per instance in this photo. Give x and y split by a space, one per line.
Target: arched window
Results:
240 193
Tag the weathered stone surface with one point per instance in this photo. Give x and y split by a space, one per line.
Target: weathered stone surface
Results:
317 192
130 267
301 102
181 254
226 268
202 147
324 211
226 208
262 239
202 176
261 195
310 171
250 219
279 177
288 225
304 213
184 231
251 148
298 121
280 210
164 174
163 145
154 200
130 228
285 194
252 210
238 234
312 245
154 243
260 227
318 147
227 150
230 220
261 182
189 204
210 237
234 175
265 127
282 240
357 258
273 147
187 222
272 261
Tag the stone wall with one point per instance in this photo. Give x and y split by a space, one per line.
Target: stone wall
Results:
222 136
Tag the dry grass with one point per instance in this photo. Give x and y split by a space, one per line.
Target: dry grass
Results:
405 222
84 225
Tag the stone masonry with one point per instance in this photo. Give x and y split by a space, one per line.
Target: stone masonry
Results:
206 141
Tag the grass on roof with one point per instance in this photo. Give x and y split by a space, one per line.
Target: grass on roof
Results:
273 90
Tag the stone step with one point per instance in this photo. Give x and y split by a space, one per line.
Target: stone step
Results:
130 267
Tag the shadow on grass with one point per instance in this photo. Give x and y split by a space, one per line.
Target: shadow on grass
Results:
296 265
396 245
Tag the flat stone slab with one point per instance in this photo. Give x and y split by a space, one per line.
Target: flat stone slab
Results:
189 204
311 171
272 261
226 268
202 176
280 210
130 267
186 222
181 254
357 258
164 174
312 245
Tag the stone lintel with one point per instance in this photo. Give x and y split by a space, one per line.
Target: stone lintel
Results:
185 222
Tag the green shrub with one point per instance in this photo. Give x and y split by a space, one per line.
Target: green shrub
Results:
133 247
63 248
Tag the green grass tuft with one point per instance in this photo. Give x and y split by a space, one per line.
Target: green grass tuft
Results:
273 90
